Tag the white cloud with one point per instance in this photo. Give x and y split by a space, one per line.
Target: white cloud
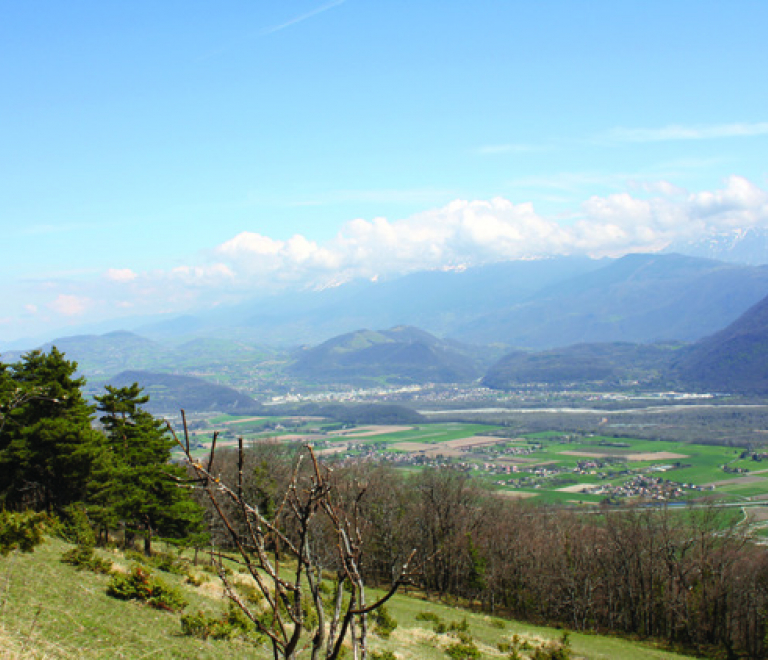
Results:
248 242
740 204
69 305
480 231
254 254
121 275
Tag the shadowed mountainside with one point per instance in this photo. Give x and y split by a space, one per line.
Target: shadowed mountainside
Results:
733 360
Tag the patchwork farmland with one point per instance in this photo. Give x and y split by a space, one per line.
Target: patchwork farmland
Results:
554 467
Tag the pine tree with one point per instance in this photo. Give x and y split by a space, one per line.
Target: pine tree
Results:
47 445
138 485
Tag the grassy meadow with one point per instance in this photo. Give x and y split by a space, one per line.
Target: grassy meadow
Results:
50 610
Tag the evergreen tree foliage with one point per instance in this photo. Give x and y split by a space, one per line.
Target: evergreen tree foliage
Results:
138 485
47 445
21 531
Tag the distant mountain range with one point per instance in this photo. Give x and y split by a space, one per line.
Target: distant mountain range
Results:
525 304
638 298
621 320
537 304
741 246
439 301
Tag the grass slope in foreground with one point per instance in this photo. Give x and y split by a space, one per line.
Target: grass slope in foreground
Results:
50 610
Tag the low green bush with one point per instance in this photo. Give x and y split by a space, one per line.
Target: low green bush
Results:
141 585
250 593
83 558
170 564
384 623
554 650
137 557
21 531
230 624
459 626
463 651
383 655
194 579
160 561
463 637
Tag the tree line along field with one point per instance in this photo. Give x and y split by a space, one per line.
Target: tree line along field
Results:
551 466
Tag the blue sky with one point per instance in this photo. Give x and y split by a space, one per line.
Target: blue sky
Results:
159 156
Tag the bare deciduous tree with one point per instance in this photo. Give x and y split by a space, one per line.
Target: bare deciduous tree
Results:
305 558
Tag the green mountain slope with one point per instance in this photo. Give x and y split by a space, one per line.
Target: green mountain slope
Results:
402 354
169 393
610 364
732 360
98 355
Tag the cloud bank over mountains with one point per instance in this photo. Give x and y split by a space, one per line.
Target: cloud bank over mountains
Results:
466 233
460 234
